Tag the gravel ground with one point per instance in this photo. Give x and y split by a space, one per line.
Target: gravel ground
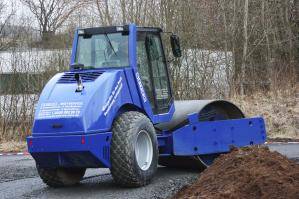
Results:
19 179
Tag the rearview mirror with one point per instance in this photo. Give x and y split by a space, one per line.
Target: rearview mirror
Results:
175 45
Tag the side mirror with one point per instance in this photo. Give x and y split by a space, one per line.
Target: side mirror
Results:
175 45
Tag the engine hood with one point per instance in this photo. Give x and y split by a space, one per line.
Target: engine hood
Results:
63 110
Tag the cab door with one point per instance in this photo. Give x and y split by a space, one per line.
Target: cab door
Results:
153 71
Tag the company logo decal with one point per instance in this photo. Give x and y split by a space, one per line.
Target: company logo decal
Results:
141 87
112 98
59 110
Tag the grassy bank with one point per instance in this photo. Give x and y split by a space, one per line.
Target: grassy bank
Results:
280 110
13 146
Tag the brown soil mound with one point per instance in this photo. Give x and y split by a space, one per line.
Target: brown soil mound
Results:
247 173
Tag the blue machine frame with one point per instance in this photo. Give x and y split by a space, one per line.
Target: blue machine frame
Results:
73 129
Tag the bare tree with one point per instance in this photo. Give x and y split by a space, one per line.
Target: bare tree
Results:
51 14
225 44
245 31
103 9
5 40
143 12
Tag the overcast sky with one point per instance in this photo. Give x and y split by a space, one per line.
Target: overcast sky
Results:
22 12
17 6
19 10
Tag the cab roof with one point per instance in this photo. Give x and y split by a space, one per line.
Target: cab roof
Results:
115 29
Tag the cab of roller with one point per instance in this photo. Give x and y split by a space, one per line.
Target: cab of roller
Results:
100 48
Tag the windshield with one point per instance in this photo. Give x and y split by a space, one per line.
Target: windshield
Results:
102 50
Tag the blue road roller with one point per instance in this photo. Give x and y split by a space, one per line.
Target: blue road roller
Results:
114 108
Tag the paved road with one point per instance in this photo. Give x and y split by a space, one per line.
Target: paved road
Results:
19 179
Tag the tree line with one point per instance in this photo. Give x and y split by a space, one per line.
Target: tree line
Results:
230 47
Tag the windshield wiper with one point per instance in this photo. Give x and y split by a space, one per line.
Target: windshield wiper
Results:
79 66
110 44
89 67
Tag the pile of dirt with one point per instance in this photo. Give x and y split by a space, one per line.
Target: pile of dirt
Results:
247 173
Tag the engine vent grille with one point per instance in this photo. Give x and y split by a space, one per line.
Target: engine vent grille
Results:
69 77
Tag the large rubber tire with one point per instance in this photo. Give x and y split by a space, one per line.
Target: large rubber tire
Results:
61 177
124 166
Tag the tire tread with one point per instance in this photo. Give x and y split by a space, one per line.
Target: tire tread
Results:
122 168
